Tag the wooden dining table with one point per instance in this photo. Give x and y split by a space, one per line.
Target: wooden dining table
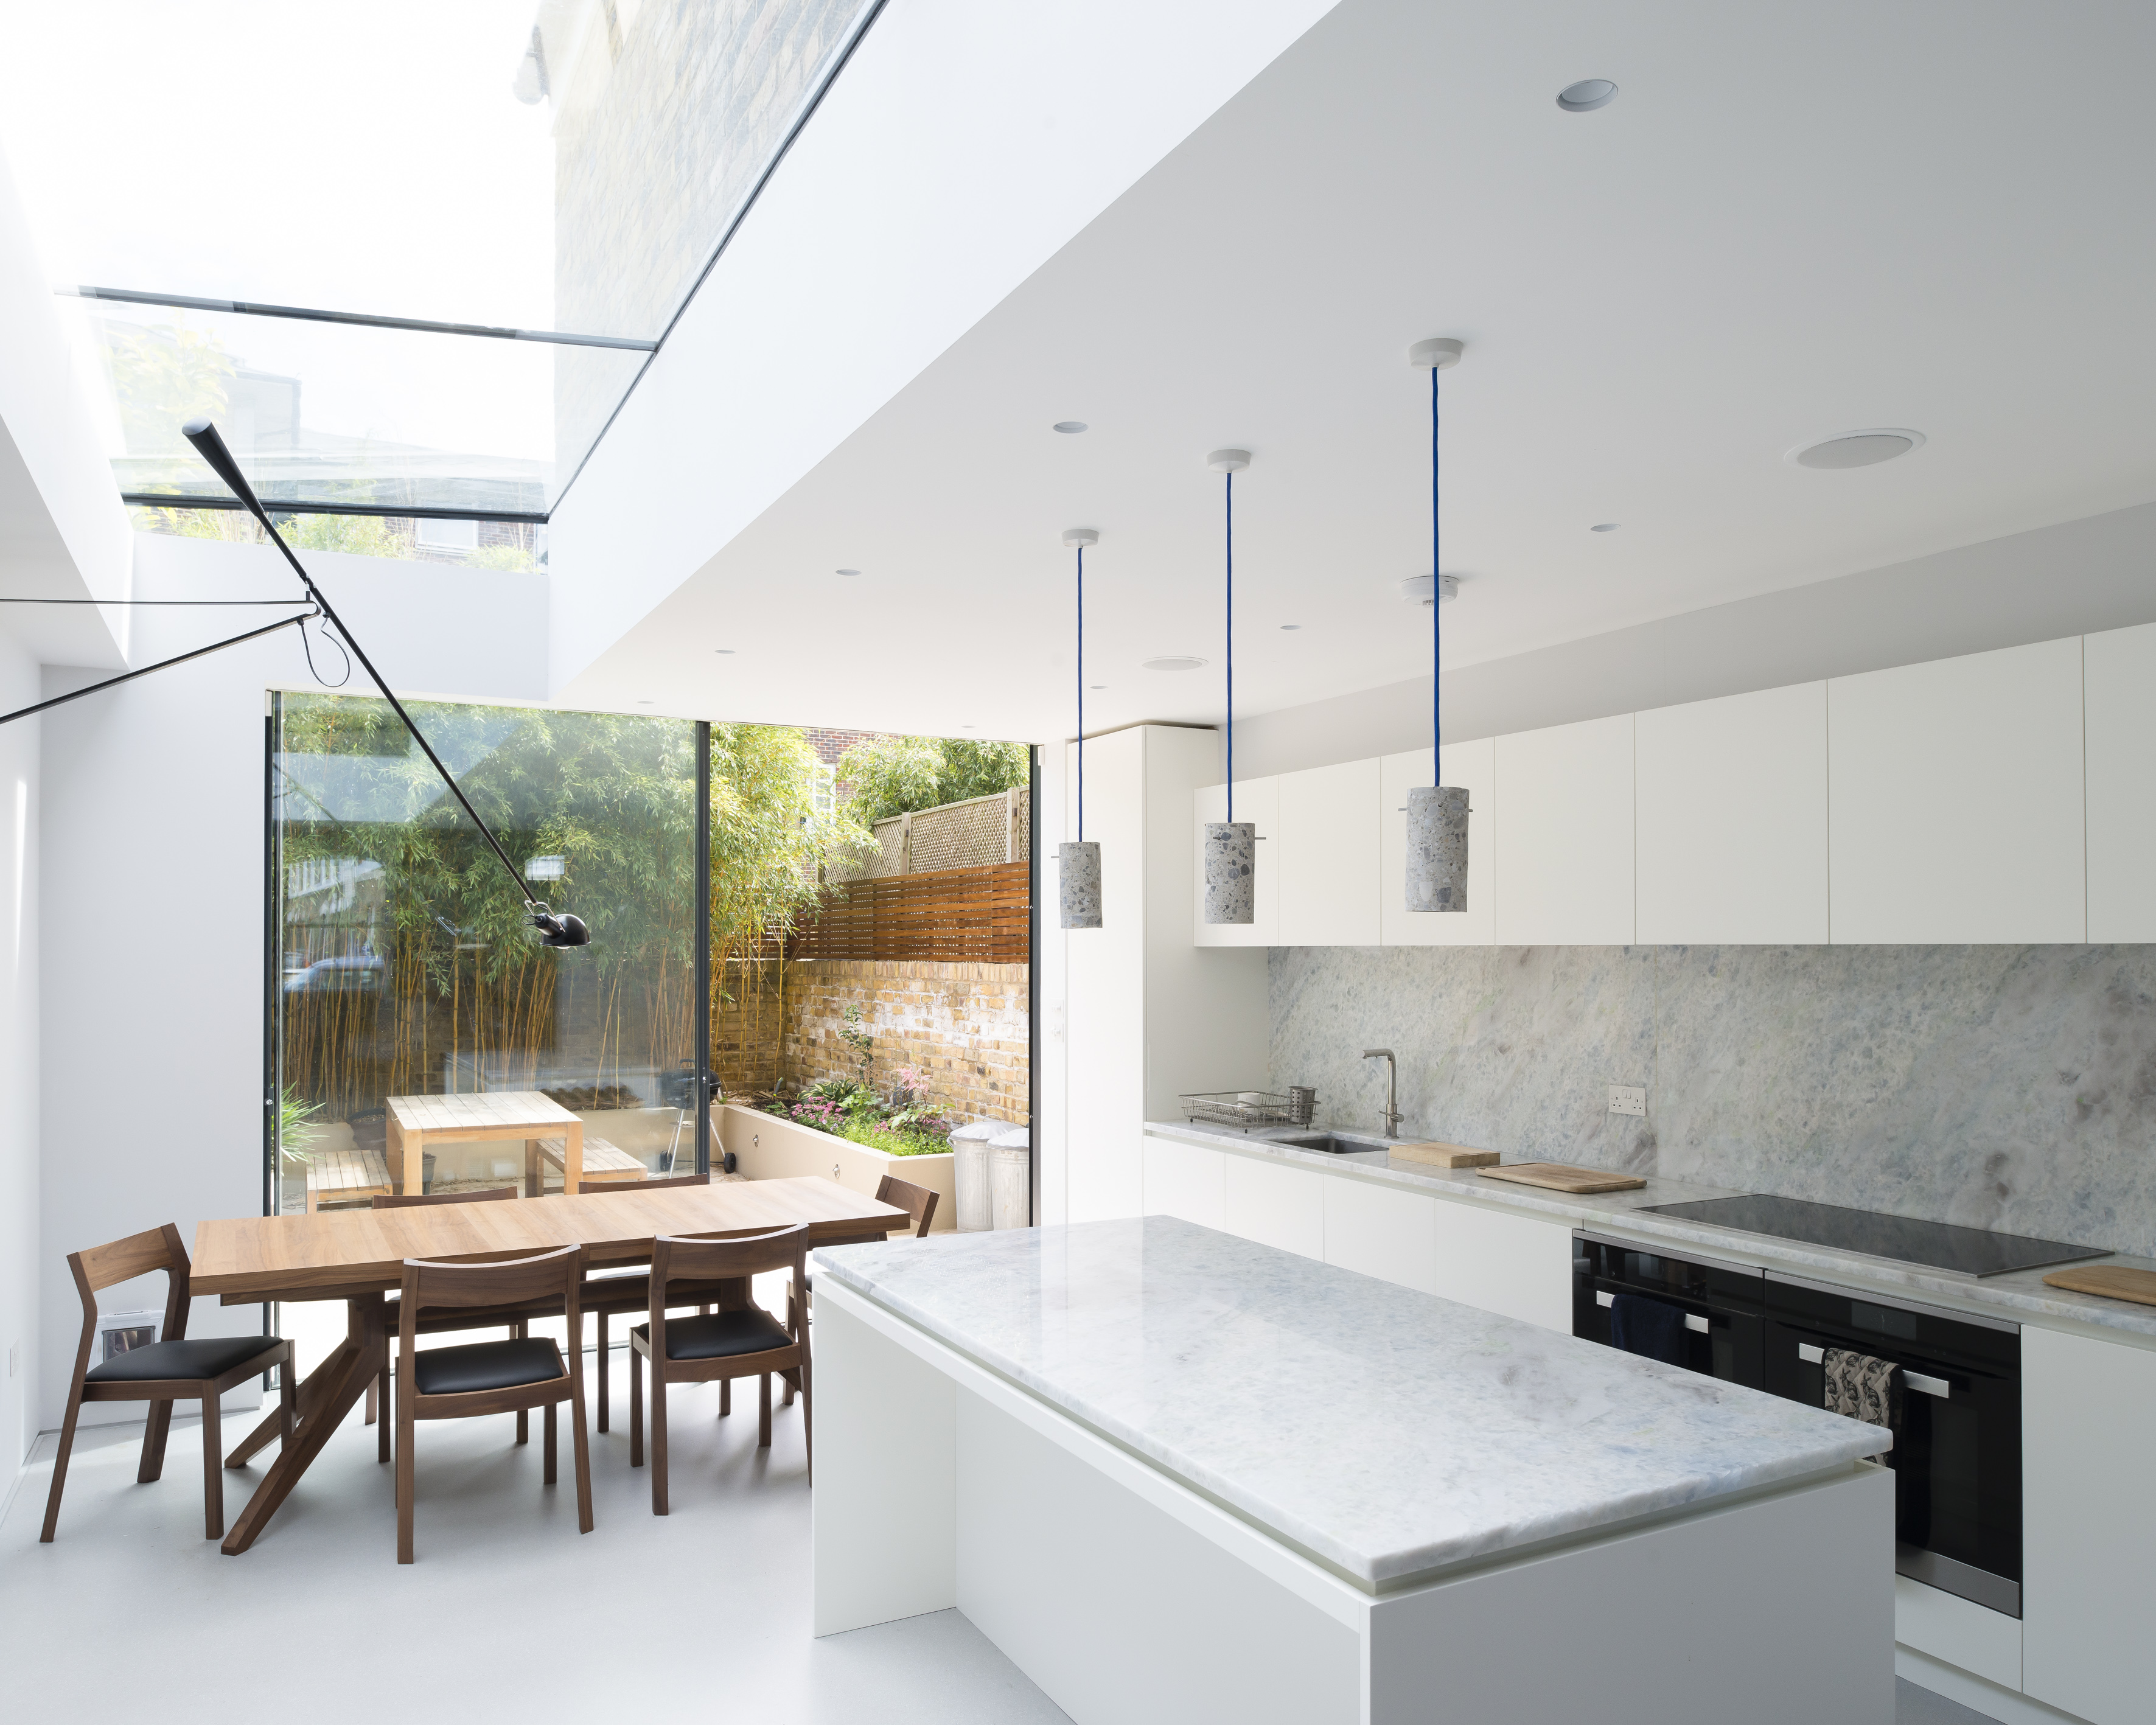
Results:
358 1255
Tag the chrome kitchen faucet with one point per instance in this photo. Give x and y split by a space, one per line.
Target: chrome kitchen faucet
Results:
1392 1089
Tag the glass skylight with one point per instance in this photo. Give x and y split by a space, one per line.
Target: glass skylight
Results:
559 173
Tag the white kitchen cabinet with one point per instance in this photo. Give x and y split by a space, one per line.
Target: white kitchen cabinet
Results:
1513 1264
1257 801
1275 1205
1564 835
1473 767
1954 799
1185 1180
1732 812
1327 856
2088 1514
1381 1231
2119 667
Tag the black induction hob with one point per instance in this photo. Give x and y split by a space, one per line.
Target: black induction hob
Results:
1936 1245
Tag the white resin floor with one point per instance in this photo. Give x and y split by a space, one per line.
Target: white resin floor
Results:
508 1611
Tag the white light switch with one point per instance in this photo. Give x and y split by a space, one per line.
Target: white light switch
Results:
1627 1099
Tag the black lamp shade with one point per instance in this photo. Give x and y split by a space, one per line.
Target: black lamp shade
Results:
561 931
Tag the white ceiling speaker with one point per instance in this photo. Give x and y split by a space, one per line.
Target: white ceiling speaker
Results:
1440 353
1857 449
1081 536
1228 461
1587 95
1415 589
1173 662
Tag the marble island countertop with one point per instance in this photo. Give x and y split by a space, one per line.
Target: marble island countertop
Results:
1388 1434
2020 1295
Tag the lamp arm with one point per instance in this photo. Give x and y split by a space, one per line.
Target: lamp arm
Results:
211 448
24 712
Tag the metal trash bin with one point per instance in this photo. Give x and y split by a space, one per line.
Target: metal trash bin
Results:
1010 1179
969 1173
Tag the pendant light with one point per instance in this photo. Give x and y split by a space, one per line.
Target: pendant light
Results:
1078 865
1231 846
1437 815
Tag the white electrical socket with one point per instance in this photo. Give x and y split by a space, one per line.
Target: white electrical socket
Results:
1627 1099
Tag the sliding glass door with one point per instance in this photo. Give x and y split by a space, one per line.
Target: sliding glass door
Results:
404 966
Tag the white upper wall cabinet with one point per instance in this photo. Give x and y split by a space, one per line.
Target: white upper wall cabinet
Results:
1732 820
1327 856
1954 799
1473 765
1257 800
2120 667
1564 835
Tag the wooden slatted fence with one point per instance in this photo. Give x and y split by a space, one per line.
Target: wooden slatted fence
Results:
949 917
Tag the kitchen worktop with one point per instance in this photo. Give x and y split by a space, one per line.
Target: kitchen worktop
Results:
2018 1296
1387 1433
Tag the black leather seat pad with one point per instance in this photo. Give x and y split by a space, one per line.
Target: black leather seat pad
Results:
484 1365
211 1356
721 1335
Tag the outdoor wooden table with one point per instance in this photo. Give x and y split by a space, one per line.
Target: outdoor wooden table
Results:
358 1255
415 1121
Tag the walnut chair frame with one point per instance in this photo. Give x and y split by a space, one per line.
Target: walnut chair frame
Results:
549 1277
630 1290
918 1202
701 1261
121 1261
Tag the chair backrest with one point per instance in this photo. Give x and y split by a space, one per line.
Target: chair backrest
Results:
511 1282
612 1186
124 1260
673 1258
918 1202
398 1201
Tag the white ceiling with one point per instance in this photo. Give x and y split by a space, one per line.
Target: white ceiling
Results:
1793 222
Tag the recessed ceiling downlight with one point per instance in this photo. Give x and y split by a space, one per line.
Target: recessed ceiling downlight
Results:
1604 527
1174 662
1858 448
849 571
1070 427
1587 95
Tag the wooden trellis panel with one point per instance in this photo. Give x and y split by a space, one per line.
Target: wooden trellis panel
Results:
951 915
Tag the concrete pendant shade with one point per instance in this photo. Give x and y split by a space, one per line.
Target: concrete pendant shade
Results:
1078 870
1231 866
1437 848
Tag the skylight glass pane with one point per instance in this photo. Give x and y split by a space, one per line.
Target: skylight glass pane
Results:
564 165
331 413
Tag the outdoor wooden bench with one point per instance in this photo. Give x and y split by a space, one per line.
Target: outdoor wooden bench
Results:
604 1163
345 1176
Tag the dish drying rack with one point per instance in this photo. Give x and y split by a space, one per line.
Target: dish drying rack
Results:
1249 1109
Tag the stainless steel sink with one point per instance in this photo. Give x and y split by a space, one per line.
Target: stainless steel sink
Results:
1330 1144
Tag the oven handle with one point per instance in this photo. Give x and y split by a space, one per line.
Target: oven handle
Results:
1917 1381
1693 1321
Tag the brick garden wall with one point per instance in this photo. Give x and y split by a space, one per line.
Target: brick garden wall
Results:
964 1025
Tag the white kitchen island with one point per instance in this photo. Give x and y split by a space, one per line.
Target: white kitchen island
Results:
1177 1476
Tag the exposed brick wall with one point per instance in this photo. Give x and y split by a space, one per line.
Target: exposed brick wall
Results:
964 1025
831 744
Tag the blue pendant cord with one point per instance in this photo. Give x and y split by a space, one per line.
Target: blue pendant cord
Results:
1437 598
1231 649
1081 695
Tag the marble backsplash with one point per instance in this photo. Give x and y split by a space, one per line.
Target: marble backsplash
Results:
2003 1087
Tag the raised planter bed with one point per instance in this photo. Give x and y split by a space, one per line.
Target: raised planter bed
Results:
766 1147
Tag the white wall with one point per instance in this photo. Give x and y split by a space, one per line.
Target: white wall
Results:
20 1256
2076 578
152 856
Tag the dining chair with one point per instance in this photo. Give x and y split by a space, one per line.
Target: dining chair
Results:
378 1391
614 1292
742 1343
918 1202
478 1378
170 1370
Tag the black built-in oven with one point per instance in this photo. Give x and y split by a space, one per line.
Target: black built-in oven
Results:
1723 1303
1957 1455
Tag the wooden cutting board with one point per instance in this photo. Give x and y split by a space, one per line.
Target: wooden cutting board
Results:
2114 1282
1558 1177
1445 1155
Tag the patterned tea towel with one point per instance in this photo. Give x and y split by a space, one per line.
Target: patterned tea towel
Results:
1863 1388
